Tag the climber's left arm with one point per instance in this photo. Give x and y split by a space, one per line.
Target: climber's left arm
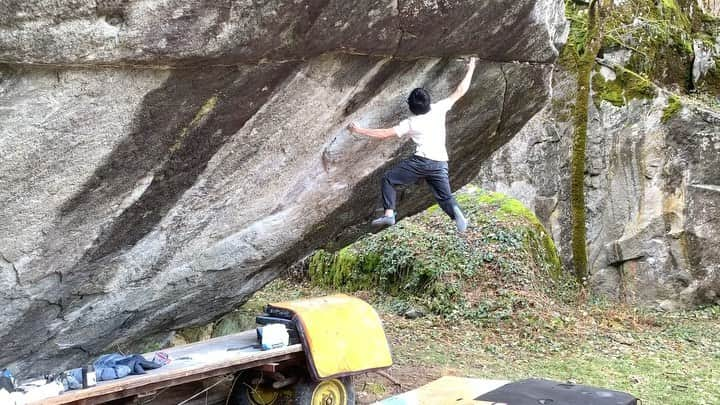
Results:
465 84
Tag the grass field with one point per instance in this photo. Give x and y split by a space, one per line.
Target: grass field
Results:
497 305
661 358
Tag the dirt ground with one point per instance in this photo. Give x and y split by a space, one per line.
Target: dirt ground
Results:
375 386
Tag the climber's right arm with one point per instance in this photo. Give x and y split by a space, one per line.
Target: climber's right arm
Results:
382 133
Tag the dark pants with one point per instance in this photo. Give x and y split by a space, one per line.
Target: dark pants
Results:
413 169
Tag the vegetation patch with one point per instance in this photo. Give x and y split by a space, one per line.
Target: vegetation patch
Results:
662 358
624 88
505 261
651 42
674 105
585 63
575 45
659 36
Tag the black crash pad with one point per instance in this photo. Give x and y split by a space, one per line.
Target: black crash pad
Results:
546 392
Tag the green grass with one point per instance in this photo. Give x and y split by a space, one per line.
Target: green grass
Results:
495 311
676 362
668 359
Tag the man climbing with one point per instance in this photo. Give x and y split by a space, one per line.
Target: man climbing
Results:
430 162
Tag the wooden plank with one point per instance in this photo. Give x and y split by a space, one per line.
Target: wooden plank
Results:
447 391
171 383
191 362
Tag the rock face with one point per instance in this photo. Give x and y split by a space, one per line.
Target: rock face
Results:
710 7
652 194
161 161
200 31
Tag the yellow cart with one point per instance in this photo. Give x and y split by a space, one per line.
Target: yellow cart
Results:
336 337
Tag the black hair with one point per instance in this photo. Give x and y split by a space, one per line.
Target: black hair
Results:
419 101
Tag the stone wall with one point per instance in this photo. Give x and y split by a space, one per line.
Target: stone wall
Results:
651 187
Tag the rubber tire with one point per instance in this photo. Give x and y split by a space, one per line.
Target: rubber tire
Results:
304 391
240 394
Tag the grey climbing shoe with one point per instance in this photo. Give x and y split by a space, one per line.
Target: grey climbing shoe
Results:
460 220
384 221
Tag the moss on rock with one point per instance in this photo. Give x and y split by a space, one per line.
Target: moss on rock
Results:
575 45
586 63
610 91
674 105
424 258
624 88
659 36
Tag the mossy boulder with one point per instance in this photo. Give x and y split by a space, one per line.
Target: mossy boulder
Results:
505 256
657 38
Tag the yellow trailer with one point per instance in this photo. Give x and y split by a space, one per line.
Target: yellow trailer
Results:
336 337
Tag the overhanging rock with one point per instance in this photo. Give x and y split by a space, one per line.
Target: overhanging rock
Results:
164 160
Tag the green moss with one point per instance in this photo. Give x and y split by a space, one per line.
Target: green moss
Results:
196 333
674 105
538 240
489 198
575 45
208 106
424 257
637 88
237 321
552 258
504 205
673 11
433 208
319 267
612 91
511 206
708 18
348 269
343 264
660 37
706 38
593 43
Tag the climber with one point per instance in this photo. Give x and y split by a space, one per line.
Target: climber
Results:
430 162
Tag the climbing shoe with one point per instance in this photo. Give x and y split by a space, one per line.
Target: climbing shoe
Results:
460 220
384 221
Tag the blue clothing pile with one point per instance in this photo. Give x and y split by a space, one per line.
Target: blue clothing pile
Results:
113 366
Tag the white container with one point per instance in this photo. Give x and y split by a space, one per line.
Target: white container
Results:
91 379
273 336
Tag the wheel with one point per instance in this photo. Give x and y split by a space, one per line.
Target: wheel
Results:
247 391
337 391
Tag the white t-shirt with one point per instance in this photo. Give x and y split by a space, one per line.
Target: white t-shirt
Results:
428 131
